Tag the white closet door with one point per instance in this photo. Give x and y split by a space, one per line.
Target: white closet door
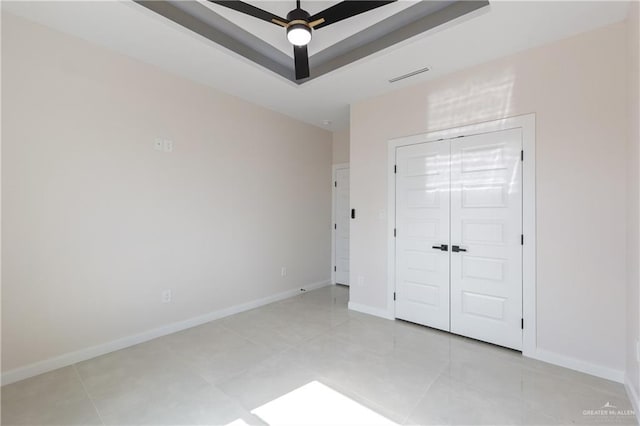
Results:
486 221
422 223
342 212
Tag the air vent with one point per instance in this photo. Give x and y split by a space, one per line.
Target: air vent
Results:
411 74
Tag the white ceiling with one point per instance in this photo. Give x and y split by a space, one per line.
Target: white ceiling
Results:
502 28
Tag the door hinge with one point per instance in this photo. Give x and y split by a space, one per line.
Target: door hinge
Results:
394 295
395 168
335 269
335 183
522 323
522 155
394 232
521 239
335 226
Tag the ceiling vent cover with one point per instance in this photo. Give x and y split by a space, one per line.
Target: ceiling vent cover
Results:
411 74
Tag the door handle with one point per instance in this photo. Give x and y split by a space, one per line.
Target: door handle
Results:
456 249
442 247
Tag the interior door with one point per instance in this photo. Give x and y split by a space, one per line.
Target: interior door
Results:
486 225
422 234
341 249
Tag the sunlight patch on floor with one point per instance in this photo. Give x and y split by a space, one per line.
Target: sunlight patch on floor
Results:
317 404
238 422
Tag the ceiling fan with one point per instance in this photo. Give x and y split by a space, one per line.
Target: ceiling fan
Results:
299 24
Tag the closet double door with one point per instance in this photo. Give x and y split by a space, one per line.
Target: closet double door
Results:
459 236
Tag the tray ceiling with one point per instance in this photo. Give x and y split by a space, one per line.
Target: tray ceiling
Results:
334 47
503 28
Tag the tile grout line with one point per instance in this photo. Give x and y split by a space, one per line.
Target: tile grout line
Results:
248 339
263 361
224 326
293 346
424 393
75 368
194 370
371 403
235 399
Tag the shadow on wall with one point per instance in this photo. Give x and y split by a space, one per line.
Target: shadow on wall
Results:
473 102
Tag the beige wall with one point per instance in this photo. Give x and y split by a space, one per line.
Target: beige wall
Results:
633 210
341 146
96 223
576 87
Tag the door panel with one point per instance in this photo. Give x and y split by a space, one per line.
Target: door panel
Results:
422 221
486 221
341 251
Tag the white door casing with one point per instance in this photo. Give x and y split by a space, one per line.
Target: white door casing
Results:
458 213
341 226
527 124
486 221
422 214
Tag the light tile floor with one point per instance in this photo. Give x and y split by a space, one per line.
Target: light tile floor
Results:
219 372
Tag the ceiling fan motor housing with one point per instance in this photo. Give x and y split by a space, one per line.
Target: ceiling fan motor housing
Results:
298 15
298 29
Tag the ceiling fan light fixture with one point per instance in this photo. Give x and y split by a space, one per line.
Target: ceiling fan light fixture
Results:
299 24
299 34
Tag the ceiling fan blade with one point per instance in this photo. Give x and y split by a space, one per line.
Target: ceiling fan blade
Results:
315 23
250 10
301 58
344 10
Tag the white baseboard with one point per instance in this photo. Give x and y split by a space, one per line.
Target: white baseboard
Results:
578 365
539 354
310 287
382 313
70 358
633 395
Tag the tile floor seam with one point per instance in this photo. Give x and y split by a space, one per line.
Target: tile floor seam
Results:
478 388
528 403
181 359
248 339
237 401
86 391
351 390
197 372
277 353
360 346
322 377
214 386
372 403
572 381
326 332
264 361
193 369
424 393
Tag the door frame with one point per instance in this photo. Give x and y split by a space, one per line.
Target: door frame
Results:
334 193
528 125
